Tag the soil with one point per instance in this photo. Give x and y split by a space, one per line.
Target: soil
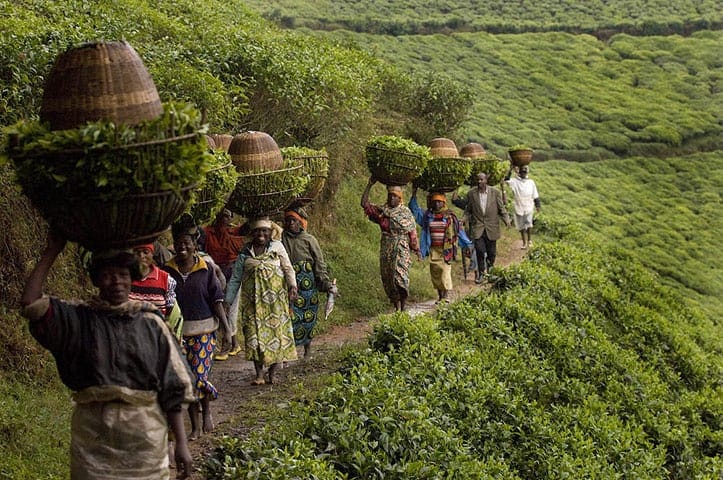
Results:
233 377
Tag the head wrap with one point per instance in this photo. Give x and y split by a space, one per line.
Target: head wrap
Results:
438 196
396 191
147 246
299 214
261 222
114 258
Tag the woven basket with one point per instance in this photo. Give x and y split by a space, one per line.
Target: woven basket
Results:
520 157
472 150
222 140
249 203
443 148
317 168
99 81
393 167
435 179
255 152
135 220
211 142
209 200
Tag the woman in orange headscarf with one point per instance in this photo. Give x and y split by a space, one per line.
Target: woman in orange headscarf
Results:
399 239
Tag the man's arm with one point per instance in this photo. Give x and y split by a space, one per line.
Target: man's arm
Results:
34 285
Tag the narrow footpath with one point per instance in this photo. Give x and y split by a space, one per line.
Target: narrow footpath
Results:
233 376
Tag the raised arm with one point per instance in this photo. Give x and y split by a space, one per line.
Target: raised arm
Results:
365 195
34 285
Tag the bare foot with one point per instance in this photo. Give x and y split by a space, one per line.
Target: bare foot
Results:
194 435
258 381
208 425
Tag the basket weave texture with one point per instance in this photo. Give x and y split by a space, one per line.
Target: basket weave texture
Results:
267 193
443 148
393 167
520 157
208 200
255 152
97 223
99 81
221 140
472 150
444 174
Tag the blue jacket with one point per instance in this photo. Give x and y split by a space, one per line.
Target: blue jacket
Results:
423 217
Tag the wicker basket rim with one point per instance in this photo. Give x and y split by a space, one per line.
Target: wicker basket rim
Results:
400 152
303 157
270 172
519 150
267 194
130 146
222 167
406 167
159 193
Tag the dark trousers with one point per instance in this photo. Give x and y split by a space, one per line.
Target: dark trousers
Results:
486 251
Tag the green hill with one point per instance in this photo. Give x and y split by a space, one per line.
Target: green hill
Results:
622 360
407 17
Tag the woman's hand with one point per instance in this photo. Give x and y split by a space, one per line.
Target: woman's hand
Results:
293 294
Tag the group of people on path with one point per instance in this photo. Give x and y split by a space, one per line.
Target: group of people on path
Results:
442 232
143 349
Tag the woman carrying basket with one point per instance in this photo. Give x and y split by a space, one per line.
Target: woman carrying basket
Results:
398 240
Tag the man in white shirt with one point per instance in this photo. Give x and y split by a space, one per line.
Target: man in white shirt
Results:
526 202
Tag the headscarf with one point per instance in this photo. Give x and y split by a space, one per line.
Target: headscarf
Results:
299 214
438 196
396 191
261 222
147 246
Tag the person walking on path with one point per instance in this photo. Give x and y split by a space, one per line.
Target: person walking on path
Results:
223 242
483 209
312 276
200 296
398 240
125 368
440 234
526 201
267 282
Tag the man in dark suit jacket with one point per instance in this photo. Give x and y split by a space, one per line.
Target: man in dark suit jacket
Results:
483 209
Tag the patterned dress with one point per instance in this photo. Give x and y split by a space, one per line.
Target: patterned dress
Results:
311 278
265 320
399 239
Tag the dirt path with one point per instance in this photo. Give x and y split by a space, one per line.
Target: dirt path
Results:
233 377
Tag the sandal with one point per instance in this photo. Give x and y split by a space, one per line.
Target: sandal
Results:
235 351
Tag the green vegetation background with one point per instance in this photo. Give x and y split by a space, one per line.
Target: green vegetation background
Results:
570 96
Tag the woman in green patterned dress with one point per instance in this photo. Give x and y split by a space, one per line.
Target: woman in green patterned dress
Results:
399 239
266 278
311 275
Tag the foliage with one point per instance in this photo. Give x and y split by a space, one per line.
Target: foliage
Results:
667 211
558 372
214 190
572 96
395 160
108 161
315 166
412 17
444 174
265 193
493 166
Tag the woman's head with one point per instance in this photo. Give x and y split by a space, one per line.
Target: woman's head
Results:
295 220
260 231
394 196
112 272
437 201
144 253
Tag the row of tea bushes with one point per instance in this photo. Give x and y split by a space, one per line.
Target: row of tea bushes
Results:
576 365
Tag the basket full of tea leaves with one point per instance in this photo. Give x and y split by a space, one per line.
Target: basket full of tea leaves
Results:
268 192
315 166
495 168
395 160
215 189
105 184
